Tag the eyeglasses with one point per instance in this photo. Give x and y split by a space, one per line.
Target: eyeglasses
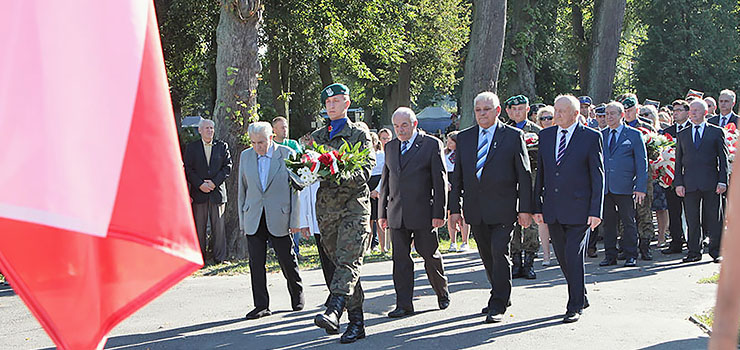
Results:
547 117
645 114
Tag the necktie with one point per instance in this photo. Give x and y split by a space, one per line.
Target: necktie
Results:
404 147
613 141
482 152
561 146
723 122
452 157
697 136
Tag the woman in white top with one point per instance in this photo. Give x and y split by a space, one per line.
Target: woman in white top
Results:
449 156
379 241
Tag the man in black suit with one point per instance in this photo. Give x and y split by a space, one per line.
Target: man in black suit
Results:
725 105
569 194
413 200
701 177
492 176
207 165
676 203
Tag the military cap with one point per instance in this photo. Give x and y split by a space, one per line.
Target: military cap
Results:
585 100
333 89
629 102
695 93
652 102
600 109
516 100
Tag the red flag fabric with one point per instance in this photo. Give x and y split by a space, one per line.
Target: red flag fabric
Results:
77 280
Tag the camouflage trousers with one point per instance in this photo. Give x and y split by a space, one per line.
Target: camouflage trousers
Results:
525 239
644 217
345 236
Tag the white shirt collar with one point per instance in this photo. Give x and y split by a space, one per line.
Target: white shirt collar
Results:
570 129
489 129
726 116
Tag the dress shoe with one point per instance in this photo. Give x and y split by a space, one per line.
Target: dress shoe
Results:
669 250
298 307
692 258
355 328
494 318
400 312
631 262
571 317
485 309
718 260
591 252
257 313
443 302
329 320
608 262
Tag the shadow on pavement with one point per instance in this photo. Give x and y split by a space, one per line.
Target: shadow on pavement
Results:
683 344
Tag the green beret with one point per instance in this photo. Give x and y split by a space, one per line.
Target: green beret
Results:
629 102
333 89
516 100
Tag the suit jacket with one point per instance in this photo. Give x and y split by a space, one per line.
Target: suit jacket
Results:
715 119
574 190
414 185
626 168
278 200
701 169
505 186
197 169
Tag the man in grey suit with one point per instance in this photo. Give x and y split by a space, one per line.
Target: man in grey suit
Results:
268 210
625 168
413 201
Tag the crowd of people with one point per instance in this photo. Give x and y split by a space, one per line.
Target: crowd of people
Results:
568 175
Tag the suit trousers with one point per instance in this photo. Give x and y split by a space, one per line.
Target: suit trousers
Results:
704 218
493 247
327 266
215 211
619 207
283 246
569 242
427 244
675 215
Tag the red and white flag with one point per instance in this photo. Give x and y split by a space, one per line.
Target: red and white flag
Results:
95 219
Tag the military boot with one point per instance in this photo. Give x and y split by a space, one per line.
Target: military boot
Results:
528 266
645 252
355 328
329 320
516 268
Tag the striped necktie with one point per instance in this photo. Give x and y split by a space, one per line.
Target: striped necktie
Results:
561 147
404 147
482 152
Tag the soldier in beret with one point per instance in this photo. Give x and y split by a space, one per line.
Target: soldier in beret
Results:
343 212
527 239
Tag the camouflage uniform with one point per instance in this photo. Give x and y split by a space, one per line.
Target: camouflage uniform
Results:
343 213
529 242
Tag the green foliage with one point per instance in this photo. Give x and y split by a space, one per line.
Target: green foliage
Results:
691 44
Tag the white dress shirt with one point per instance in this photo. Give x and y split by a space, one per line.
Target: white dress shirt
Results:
263 165
701 126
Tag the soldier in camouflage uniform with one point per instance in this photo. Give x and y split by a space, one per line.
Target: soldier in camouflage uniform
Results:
528 239
343 212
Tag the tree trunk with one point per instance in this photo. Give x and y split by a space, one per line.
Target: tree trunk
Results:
582 45
608 20
523 82
404 85
325 72
237 67
390 103
485 53
276 84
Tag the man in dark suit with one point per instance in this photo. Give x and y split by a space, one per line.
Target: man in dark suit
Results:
625 167
207 165
725 105
492 177
676 203
413 201
569 193
701 177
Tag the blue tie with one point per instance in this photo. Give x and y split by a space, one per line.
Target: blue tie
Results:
482 152
404 147
697 136
613 141
561 147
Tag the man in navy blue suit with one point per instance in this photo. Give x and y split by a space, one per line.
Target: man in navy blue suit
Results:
569 193
625 168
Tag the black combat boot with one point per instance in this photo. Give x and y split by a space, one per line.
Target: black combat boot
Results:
516 265
355 328
645 252
528 266
329 320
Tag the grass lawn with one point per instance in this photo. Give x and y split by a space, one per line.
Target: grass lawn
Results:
310 259
708 280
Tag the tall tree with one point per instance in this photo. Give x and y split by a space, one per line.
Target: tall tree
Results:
607 30
237 68
485 52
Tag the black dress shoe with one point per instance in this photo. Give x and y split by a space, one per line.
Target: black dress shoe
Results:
608 262
718 260
443 302
484 310
692 258
631 262
591 252
298 307
669 250
400 312
571 317
257 313
494 318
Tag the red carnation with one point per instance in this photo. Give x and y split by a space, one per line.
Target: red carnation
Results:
326 159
